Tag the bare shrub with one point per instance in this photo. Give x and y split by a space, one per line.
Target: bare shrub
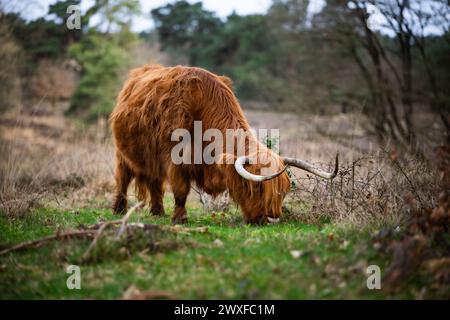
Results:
423 246
53 80
46 159
369 190
20 189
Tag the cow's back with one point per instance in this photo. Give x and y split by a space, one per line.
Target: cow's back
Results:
156 100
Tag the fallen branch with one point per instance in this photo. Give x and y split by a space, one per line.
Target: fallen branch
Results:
97 230
103 226
58 236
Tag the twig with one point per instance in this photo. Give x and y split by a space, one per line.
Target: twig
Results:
411 184
97 236
31 243
125 219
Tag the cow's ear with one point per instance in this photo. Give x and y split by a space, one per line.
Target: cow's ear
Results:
227 81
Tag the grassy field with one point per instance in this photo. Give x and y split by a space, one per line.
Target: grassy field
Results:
229 260
57 176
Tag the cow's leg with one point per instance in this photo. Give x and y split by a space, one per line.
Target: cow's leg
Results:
180 214
180 187
123 176
157 193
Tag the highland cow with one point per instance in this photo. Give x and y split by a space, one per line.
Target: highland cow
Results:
154 102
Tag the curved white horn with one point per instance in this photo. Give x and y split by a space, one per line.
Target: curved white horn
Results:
239 165
310 168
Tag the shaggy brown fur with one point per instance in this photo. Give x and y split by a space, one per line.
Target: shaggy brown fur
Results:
153 103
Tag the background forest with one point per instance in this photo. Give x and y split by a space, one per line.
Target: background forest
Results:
385 59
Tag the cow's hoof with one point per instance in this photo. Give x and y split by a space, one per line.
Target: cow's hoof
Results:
179 216
157 211
179 220
120 207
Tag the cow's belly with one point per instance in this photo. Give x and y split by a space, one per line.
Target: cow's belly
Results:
211 180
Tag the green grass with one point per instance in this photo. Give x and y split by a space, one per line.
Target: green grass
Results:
252 262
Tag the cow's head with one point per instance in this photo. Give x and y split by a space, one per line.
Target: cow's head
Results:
259 182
